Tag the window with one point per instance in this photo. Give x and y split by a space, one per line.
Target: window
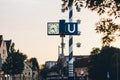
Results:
26 67
3 51
29 73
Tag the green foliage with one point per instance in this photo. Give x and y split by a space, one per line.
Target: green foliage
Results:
92 68
44 72
35 65
115 66
12 49
68 3
14 63
111 7
109 29
104 62
95 51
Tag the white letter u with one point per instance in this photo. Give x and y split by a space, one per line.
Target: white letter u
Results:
71 31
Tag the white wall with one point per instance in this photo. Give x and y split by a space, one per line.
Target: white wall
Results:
3 51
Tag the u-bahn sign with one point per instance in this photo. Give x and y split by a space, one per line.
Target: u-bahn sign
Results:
59 28
71 29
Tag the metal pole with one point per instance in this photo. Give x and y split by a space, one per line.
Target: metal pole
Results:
58 51
71 76
62 45
62 55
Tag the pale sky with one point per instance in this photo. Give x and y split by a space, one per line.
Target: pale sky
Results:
25 22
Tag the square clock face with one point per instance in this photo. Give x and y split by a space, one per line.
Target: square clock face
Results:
53 28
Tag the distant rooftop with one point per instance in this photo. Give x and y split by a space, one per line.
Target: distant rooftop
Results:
79 56
81 62
8 43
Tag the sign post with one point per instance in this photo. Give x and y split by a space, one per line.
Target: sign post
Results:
63 28
71 74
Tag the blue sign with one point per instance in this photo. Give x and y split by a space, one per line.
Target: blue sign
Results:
71 29
68 28
62 27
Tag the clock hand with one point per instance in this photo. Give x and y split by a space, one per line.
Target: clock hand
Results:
53 29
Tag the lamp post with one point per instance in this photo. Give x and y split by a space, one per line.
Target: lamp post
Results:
61 55
60 63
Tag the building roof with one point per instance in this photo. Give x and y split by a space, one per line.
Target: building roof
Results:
78 56
8 43
26 64
83 62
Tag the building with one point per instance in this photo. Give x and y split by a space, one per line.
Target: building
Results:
53 74
27 72
50 64
75 58
8 44
4 48
80 65
80 68
4 51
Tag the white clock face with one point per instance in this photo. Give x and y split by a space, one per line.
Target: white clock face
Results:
53 28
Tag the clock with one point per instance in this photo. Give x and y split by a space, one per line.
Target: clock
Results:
53 28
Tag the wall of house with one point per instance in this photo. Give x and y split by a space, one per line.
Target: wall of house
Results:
27 70
3 51
3 55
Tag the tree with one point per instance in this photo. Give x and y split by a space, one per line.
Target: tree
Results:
14 63
92 66
44 71
115 67
104 64
111 7
109 29
35 65
106 26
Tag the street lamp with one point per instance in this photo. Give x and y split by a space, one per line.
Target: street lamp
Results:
78 44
